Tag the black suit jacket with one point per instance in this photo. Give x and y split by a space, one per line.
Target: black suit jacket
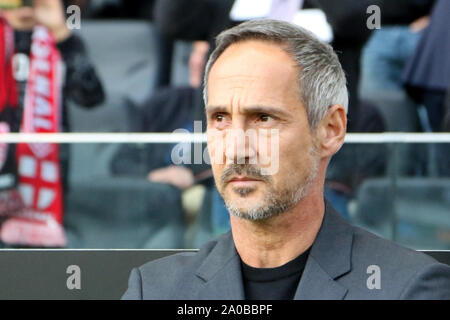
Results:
340 265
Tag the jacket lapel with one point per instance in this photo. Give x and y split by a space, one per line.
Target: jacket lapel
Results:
329 259
221 273
316 284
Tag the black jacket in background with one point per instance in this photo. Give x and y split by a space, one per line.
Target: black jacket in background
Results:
403 12
429 67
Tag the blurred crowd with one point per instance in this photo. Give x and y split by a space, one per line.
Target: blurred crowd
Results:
398 80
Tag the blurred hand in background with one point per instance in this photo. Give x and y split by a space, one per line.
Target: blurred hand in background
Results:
420 24
177 176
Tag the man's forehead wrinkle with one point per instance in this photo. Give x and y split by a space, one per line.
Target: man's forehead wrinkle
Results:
215 108
235 77
235 84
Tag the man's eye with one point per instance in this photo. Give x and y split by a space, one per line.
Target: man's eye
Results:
264 117
219 117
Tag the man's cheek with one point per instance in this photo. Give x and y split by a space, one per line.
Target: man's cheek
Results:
269 153
216 148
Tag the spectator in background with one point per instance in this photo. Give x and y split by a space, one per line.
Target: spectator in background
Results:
427 76
80 84
427 80
383 63
389 48
384 59
197 20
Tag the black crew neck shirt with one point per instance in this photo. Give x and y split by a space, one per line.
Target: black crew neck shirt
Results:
273 283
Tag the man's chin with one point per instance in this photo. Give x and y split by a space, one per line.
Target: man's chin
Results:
243 192
249 212
245 203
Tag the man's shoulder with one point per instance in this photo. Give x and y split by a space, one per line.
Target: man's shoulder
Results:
365 247
404 273
368 246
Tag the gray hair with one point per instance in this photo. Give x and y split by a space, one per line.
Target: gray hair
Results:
322 81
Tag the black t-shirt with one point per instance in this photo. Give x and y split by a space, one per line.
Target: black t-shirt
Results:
273 283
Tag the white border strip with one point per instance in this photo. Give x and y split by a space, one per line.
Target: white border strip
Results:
372 138
103 138
397 138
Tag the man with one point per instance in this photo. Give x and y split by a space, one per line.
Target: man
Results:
286 241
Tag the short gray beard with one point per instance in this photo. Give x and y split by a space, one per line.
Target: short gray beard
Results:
276 203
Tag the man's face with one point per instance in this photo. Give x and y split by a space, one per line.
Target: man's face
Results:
253 87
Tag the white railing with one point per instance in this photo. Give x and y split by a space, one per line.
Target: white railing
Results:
372 138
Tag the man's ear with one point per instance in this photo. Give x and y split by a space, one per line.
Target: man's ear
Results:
331 130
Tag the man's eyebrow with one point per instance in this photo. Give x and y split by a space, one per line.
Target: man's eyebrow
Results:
249 110
215 109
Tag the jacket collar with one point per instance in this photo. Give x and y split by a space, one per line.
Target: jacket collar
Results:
332 247
221 272
329 258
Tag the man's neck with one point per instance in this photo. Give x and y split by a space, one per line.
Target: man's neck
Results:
276 241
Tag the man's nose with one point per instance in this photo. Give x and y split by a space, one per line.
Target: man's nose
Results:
240 146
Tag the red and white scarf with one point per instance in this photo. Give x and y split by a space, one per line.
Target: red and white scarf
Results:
40 182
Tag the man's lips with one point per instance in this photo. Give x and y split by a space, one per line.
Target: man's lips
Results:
243 179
